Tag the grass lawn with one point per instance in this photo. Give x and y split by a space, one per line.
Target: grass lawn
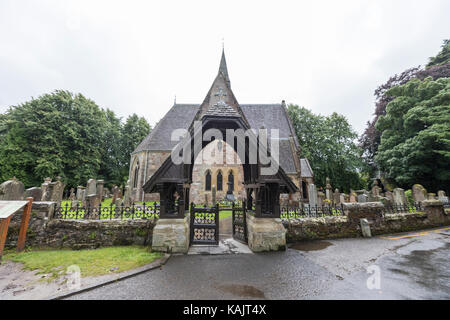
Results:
91 262
225 214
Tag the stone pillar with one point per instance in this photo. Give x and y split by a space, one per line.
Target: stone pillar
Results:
328 190
171 235
265 234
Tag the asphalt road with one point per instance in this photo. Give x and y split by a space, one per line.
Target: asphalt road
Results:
410 266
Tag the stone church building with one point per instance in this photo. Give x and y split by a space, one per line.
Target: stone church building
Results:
217 165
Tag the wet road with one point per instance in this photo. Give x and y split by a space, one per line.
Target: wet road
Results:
408 266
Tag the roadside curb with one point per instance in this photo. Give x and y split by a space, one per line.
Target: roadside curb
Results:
122 276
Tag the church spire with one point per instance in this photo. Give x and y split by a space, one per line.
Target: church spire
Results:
223 68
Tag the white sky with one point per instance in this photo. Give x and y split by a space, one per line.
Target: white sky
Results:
135 56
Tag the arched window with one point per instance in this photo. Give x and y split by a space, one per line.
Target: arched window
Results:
219 181
208 181
136 175
231 179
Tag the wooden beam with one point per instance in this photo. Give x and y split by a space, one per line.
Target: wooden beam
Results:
24 225
4 224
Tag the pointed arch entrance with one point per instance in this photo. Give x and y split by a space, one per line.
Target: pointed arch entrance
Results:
219 117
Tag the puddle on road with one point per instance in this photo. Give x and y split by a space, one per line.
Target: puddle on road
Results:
311 245
243 290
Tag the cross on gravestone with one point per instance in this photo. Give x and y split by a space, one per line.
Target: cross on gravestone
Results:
220 94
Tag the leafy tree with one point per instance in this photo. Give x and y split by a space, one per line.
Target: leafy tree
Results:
67 135
439 67
134 131
415 140
329 145
442 57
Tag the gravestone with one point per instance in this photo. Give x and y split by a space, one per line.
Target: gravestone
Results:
442 197
375 189
35 193
81 193
419 193
328 190
336 197
390 196
45 189
127 195
115 193
399 197
93 200
91 187
342 198
57 190
312 193
431 196
100 188
320 198
362 198
213 193
206 199
352 196
12 190
73 199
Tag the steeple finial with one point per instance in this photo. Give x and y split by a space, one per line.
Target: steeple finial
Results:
223 67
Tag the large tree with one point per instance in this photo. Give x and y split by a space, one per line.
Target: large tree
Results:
438 67
67 135
415 140
328 142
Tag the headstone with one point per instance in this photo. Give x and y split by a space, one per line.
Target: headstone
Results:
336 197
213 194
375 189
320 198
12 190
419 193
431 196
312 193
93 201
100 187
442 197
58 190
399 197
106 193
342 198
328 190
362 198
127 195
46 193
352 197
91 187
206 199
115 193
35 193
390 196
81 193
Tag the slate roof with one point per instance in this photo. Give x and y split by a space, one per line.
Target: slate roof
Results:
306 169
179 116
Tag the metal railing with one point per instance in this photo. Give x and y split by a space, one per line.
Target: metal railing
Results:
396 208
135 211
294 212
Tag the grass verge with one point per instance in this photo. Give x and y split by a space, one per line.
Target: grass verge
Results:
91 262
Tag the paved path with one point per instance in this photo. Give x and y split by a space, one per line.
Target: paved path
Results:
413 267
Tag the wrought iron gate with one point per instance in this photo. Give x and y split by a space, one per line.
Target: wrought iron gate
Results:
239 222
205 225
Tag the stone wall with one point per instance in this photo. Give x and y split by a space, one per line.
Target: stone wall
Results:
44 231
348 225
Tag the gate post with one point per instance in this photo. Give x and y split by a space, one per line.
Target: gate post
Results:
217 223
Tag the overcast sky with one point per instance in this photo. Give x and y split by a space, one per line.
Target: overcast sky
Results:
135 56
